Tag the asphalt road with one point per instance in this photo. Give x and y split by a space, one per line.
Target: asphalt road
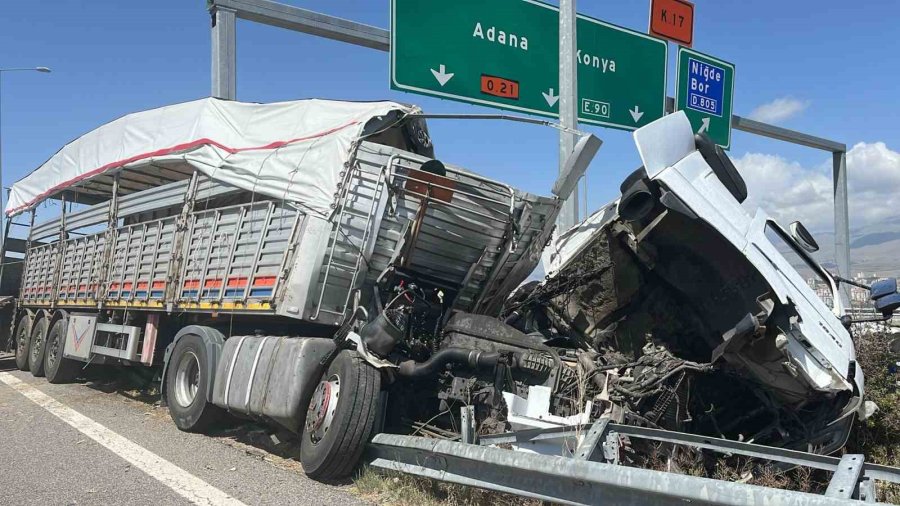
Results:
128 451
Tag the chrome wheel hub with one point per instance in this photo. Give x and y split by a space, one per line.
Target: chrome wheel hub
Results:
324 401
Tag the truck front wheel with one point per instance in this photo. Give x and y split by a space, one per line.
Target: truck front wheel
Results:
187 376
340 418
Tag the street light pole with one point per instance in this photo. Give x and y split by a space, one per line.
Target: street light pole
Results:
2 191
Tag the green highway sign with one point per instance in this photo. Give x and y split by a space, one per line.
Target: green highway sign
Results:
505 53
704 90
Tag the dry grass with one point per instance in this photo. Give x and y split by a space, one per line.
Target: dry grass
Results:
878 438
396 489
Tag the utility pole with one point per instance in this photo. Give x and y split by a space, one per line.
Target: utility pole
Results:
568 98
2 192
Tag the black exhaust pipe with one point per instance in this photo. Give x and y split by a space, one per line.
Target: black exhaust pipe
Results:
463 356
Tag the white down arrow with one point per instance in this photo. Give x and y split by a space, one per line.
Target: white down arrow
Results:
441 75
636 114
550 97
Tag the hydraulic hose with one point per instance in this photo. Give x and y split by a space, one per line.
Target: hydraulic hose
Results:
463 356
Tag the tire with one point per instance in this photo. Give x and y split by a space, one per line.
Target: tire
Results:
58 368
37 348
187 376
333 439
23 342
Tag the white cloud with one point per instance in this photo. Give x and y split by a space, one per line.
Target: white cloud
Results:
789 191
779 110
786 190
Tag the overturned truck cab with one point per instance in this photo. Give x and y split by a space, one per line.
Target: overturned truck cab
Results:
686 312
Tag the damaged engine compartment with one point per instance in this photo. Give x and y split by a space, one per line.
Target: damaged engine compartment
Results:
609 336
649 330
658 320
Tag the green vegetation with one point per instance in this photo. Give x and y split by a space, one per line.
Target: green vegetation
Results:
396 489
878 438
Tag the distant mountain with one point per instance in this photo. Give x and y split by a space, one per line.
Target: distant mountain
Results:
873 248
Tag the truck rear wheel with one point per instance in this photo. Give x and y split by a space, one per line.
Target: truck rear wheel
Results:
36 354
340 418
23 342
187 383
58 368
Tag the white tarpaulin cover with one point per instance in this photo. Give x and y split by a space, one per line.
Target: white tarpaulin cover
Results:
289 150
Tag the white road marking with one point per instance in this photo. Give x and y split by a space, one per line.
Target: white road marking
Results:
182 482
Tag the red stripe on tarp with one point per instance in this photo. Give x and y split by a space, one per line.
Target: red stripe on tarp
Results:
192 283
212 283
167 151
142 285
158 285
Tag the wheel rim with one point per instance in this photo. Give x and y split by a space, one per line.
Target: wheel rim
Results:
187 379
21 342
37 346
52 351
322 406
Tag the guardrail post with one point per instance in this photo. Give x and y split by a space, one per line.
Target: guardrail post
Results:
589 444
846 477
467 413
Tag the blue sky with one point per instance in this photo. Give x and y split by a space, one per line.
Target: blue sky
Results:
825 67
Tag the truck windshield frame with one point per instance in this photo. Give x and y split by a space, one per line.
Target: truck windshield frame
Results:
817 270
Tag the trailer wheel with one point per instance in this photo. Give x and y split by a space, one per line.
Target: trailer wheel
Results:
340 418
58 368
23 342
36 354
186 385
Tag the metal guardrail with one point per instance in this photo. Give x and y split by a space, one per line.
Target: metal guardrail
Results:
581 479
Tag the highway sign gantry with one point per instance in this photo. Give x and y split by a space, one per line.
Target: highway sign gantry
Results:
505 53
704 90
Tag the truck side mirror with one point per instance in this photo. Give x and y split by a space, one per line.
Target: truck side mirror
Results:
884 293
882 288
803 237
